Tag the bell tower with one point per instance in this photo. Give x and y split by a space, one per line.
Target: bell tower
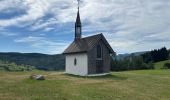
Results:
78 25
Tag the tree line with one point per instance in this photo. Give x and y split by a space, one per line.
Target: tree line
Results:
57 62
142 61
39 61
156 55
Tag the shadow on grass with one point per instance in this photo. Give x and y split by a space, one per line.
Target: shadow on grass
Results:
109 76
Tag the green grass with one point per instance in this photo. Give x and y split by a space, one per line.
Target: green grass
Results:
159 65
129 85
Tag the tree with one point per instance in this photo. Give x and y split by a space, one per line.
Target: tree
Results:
156 55
167 65
130 63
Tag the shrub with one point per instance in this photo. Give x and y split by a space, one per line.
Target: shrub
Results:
167 65
6 66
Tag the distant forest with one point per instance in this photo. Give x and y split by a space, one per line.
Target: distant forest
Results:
138 61
39 61
29 61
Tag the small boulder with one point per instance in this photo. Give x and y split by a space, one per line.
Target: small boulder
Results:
37 77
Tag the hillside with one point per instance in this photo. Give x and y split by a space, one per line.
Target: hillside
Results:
129 85
40 61
122 56
6 66
159 65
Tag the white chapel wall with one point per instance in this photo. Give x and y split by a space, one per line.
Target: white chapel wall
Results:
80 68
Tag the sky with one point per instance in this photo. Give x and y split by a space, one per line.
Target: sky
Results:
47 26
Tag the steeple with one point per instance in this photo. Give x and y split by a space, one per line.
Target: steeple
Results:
78 21
78 25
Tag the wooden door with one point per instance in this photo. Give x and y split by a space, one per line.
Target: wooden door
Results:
99 66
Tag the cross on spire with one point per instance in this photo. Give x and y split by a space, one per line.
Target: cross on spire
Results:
78 3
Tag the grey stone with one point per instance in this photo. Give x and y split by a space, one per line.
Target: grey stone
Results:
37 77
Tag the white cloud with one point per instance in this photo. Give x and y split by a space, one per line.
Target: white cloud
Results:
7 34
35 10
52 47
46 26
129 25
4 32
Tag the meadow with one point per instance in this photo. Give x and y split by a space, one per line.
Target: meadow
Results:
128 85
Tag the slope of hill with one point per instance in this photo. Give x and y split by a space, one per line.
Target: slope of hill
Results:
129 85
6 66
40 61
159 65
122 56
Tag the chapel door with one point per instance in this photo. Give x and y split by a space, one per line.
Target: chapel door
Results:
99 66
99 60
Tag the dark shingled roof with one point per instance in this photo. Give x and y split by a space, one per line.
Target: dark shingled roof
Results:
86 44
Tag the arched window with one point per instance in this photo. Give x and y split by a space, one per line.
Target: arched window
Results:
75 62
99 51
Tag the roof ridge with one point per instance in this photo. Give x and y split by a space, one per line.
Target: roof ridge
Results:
92 36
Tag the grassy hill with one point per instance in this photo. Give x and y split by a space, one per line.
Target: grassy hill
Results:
129 85
159 65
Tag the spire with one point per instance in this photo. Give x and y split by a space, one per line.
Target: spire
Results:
78 25
78 20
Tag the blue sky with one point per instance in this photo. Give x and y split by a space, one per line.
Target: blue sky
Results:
47 26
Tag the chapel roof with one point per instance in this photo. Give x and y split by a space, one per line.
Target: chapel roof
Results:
85 44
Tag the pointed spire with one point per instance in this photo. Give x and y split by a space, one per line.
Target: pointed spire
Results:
78 20
78 25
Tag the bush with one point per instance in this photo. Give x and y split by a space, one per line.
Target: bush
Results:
6 66
167 65
148 66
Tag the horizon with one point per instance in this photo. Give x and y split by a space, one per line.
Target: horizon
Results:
61 53
47 27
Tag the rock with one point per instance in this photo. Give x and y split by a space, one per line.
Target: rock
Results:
37 77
